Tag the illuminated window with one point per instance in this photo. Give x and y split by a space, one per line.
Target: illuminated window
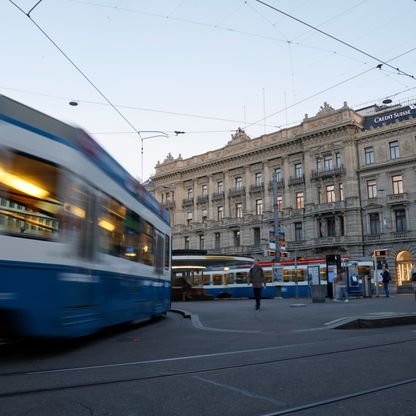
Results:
299 200
239 210
259 207
341 192
330 193
279 203
397 183
220 211
371 189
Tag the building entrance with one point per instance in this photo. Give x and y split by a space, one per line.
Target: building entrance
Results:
404 263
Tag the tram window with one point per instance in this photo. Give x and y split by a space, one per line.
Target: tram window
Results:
159 252
167 252
111 227
269 276
217 279
206 280
29 192
323 274
146 249
132 230
241 277
286 275
230 278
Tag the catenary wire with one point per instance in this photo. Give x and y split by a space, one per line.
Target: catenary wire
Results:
336 39
78 69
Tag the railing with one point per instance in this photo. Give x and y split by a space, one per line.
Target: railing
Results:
397 198
329 206
202 199
232 222
187 202
237 191
169 204
373 237
294 180
217 196
328 172
279 184
256 188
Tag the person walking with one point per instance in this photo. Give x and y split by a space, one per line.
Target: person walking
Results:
386 279
257 279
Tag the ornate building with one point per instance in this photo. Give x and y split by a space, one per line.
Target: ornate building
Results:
346 184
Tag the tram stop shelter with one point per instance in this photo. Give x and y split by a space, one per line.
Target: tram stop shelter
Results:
188 267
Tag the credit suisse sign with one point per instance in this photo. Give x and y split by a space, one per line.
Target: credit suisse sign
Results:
398 115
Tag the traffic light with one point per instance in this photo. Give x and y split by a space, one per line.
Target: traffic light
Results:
380 253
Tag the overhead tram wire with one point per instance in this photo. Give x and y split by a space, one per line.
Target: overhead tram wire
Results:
337 39
329 88
76 67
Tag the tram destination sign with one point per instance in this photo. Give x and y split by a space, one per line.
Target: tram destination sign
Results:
401 114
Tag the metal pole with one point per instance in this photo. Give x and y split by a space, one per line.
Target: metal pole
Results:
276 220
141 138
375 273
296 273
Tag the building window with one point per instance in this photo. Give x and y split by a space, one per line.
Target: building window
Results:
394 150
277 174
330 226
397 183
330 193
239 210
259 178
189 193
217 240
186 243
204 190
256 236
238 182
220 187
201 242
204 215
369 155
374 223
298 170
341 192
279 203
328 165
371 189
338 159
220 211
298 231
259 206
189 218
400 219
299 200
319 194
341 225
236 237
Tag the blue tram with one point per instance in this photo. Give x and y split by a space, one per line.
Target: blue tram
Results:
83 244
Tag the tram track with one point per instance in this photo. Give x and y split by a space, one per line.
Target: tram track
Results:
167 374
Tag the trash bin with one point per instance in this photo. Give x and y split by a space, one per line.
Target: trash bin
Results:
318 293
367 286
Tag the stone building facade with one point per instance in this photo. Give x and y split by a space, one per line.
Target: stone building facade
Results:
346 184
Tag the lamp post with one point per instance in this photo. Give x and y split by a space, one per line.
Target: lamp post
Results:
142 139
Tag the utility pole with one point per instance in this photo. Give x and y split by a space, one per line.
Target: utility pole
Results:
276 220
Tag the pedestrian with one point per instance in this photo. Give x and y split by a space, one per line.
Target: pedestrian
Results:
413 279
186 290
257 279
386 279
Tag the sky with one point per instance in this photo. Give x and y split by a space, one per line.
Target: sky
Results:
203 67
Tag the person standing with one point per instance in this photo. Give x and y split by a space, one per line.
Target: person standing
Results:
386 279
257 279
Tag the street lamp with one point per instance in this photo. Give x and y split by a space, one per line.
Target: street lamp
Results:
159 134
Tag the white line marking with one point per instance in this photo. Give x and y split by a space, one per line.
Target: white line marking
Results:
240 391
162 360
199 325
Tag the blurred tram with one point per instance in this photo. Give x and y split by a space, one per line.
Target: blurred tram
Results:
297 276
83 244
